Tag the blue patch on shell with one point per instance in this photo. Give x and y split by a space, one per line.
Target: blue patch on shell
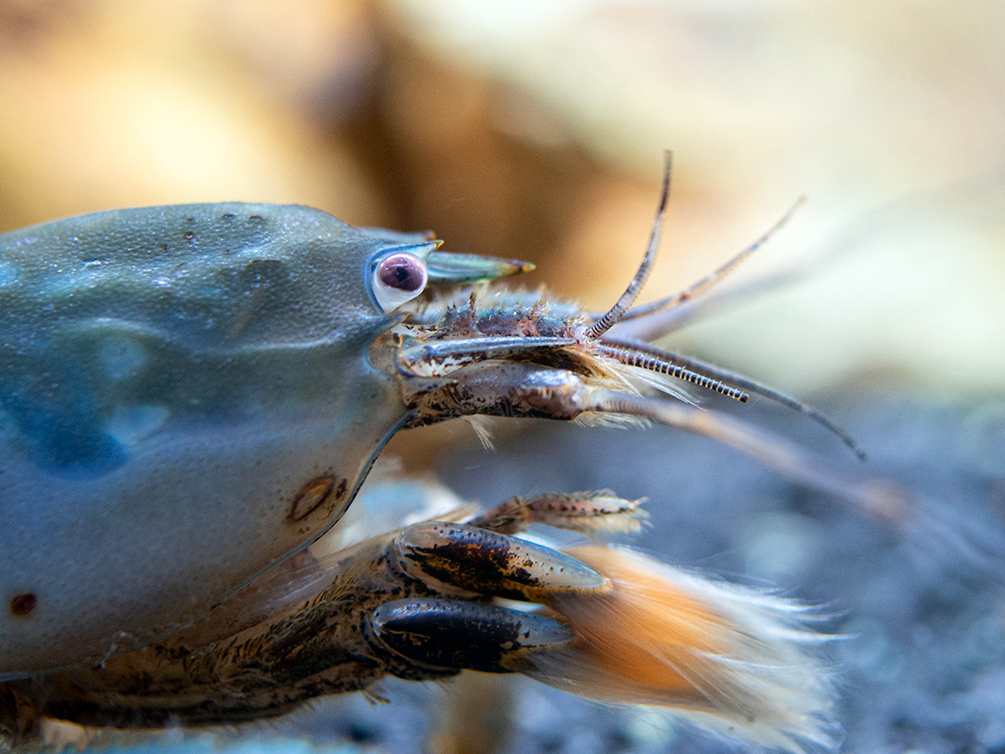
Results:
66 439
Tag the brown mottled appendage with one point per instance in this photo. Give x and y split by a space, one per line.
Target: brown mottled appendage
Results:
322 626
583 512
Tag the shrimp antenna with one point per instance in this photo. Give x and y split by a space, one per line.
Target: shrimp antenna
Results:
651 358
715 276
606 322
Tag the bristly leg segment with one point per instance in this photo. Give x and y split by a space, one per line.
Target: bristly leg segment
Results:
645 357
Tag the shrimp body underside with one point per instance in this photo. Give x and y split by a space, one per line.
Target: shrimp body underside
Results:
430 600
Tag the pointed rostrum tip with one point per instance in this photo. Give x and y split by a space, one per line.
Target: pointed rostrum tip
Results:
730 658
446 268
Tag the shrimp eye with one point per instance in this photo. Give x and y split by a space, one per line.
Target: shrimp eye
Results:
398 278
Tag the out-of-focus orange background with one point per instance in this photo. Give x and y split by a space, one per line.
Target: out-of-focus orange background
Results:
535 130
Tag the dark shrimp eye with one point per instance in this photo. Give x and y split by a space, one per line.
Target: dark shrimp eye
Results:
398 278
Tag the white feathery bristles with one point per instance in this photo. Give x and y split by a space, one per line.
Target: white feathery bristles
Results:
664 384
730 658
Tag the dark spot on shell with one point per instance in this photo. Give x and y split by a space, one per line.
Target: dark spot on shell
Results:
22 604
255 217
226 215
320 494
189 235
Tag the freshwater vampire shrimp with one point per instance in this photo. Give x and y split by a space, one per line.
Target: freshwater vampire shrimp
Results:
190 396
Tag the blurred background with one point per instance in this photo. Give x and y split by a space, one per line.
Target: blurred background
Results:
535 130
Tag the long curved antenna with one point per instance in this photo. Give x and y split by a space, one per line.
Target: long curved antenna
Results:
636 353
716 276
607 321
770 449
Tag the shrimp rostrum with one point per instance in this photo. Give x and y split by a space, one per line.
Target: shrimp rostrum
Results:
190 396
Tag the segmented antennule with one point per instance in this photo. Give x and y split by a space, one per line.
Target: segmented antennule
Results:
716 276
652 363
644 353
606 322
